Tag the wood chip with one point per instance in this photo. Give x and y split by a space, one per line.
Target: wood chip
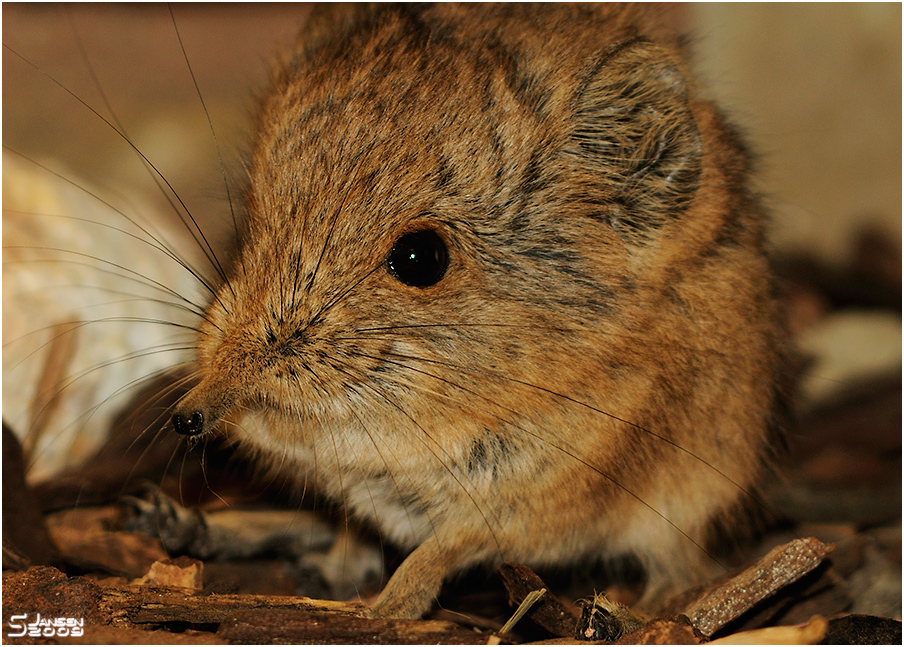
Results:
783 565
183 573
549 612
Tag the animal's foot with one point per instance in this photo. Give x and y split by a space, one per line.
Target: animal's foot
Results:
180 529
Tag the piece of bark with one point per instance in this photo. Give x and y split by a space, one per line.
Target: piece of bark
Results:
146 605
120 613
106 635
783 565
663 631
549 612
289 626
46 590
819 592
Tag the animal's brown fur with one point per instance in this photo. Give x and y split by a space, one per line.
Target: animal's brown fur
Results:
594 371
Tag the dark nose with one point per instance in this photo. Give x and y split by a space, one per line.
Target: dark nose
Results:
190 425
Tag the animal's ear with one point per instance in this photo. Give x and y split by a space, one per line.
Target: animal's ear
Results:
634 131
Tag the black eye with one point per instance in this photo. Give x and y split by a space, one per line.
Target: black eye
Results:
418 259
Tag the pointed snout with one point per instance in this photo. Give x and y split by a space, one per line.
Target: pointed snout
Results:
199 411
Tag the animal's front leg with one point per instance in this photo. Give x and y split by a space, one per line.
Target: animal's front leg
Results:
412 589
